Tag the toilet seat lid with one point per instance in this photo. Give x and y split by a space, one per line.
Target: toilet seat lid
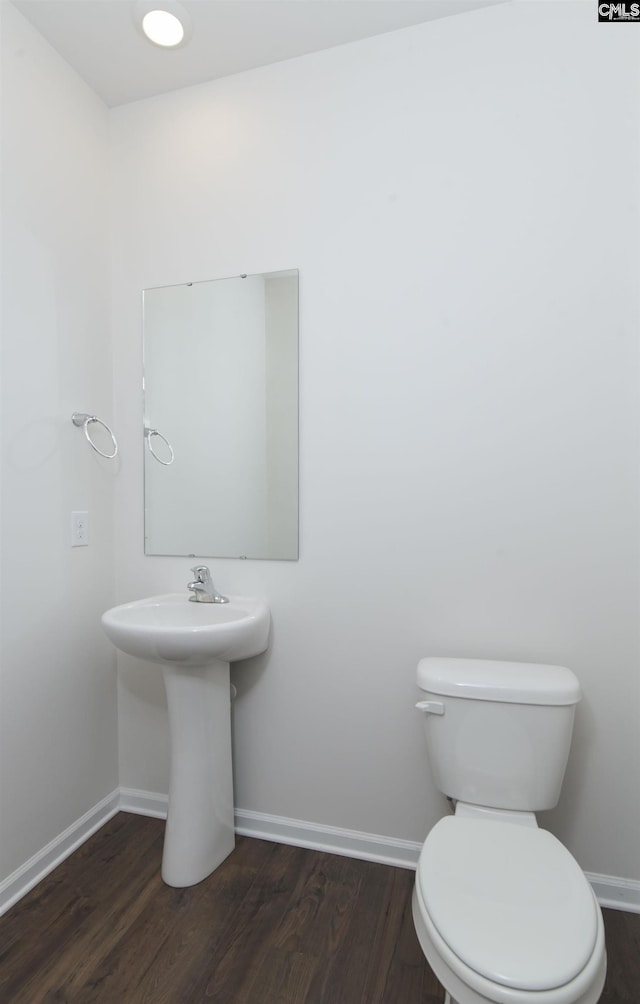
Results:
509 900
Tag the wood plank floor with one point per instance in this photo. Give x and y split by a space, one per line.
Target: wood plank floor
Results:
273 925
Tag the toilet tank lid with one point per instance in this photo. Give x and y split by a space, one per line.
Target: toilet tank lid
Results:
490 680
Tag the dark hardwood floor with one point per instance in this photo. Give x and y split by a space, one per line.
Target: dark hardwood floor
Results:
273 925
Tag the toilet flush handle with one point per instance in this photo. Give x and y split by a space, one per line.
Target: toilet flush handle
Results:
431 707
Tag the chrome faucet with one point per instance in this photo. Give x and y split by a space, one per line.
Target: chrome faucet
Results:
203 588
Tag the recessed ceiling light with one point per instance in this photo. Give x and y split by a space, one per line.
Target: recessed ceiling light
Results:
164 22
162 28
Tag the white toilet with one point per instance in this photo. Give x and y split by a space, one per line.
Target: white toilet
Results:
502 910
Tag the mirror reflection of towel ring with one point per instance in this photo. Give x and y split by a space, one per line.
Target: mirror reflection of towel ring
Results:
148 435
80 419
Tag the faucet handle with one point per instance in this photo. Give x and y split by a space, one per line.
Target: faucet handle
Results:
201 573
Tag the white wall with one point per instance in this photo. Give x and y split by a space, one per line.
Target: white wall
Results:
461 201
58 754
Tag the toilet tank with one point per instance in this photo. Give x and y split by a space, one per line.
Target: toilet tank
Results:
498 733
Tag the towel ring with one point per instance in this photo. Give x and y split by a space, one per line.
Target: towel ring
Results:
80 419
148 434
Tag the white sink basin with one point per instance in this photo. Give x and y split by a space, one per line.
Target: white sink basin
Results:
171 629
194 643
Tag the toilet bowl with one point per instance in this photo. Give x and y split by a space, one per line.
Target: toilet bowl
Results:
503 912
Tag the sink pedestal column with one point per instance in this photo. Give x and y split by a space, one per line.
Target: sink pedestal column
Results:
200 825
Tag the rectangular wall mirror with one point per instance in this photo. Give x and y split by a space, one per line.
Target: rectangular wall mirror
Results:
221 417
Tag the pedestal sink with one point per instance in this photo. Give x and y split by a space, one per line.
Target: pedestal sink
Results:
194 643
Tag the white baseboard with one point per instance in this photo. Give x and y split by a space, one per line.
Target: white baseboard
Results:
611 891
280 829
144 803
333 839
32 871
616 893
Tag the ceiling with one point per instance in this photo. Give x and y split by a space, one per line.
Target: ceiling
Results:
101 42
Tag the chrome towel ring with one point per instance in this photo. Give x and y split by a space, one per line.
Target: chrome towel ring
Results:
148 435
80 419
